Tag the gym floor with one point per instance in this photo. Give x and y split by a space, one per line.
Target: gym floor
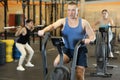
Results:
9 72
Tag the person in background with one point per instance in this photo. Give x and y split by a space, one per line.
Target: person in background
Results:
22 44
106 21
73 29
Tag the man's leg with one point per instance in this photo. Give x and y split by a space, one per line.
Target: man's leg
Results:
80 72
57 59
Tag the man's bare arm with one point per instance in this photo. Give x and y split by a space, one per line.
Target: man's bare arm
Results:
89 31
53 26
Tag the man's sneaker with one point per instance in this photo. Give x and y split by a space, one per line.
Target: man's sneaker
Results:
29 64
20 68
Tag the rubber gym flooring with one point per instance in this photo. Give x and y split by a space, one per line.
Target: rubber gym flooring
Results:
9 72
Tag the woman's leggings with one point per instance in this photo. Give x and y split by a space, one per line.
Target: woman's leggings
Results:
110 39
22 48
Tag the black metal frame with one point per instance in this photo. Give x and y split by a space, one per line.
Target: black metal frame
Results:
5 4
59 46
102 57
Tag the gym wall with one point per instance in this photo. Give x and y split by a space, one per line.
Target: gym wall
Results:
92 12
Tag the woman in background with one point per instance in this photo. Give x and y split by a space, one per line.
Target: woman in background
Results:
106 21
22 44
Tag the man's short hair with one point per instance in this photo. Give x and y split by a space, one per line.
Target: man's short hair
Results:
72 3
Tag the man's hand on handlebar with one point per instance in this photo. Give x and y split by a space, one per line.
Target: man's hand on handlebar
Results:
41 33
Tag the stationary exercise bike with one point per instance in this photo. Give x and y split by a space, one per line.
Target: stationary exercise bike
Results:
60 72
102 50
